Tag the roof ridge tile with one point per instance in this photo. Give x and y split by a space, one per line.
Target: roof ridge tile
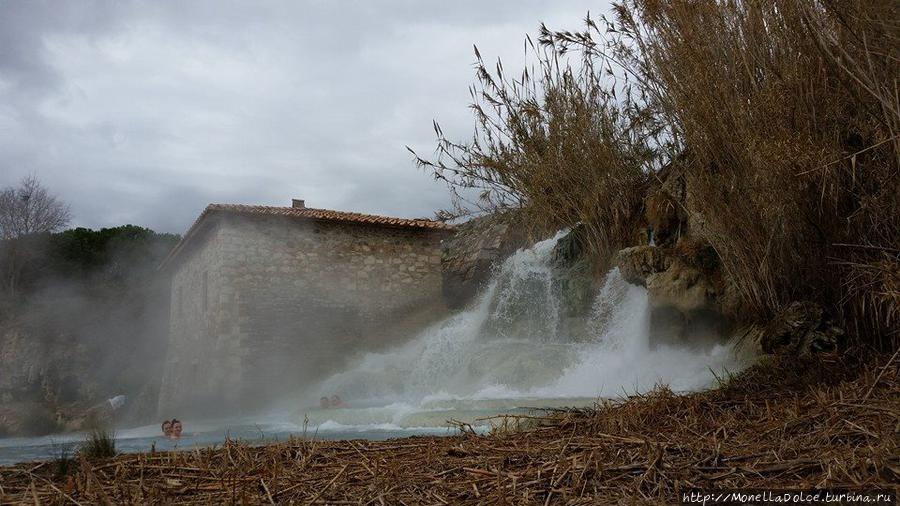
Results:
308 213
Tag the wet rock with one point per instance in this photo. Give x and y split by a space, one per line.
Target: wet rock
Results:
468 258
575 269
665 216
680 286
683 305
801 328
570 249
638 262
27 418
681 289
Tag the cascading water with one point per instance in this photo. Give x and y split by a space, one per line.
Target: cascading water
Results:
509 348
622 360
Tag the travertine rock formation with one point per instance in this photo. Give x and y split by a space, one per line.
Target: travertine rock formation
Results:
470 255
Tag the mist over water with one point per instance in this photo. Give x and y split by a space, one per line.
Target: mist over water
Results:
511 348
510 351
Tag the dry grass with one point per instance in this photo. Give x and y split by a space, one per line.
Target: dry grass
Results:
790 114
781 117
553 144
99 443
784 424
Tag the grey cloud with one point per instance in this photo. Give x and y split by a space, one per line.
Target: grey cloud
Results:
144 112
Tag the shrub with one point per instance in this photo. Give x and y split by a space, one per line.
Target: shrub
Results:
788 112
63 463
99 444
554 145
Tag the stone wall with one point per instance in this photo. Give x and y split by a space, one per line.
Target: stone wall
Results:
287 302
204 344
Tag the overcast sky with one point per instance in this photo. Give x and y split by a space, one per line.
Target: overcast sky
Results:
144 112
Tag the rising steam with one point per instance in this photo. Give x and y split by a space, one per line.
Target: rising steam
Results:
509 347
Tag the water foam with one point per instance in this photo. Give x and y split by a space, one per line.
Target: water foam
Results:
508 347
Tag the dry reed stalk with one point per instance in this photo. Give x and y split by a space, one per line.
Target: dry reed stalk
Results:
782 119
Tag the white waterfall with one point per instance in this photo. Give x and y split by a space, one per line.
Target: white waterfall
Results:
508 345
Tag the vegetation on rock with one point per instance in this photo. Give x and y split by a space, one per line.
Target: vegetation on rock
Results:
770 131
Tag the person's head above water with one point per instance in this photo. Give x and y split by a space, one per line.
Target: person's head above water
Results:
176 428
336 401
324 403
167 427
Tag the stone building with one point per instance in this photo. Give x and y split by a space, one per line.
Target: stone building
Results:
267 300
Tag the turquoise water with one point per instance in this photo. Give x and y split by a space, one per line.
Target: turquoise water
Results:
143 439
355 422
507 353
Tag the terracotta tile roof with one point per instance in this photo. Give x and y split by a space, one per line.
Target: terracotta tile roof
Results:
304 213
329 215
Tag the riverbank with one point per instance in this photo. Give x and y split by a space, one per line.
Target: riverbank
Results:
787 423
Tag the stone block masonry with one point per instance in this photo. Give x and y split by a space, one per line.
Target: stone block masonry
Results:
266 303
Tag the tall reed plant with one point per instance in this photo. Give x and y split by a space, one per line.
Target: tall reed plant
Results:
781 116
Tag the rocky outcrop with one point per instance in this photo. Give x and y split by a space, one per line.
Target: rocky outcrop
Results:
688 298
41 385
682 291
51 380
683 287
801 328
468 258
689 292
638 263
575 273
671 280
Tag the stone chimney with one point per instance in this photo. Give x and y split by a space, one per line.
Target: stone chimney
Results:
298 203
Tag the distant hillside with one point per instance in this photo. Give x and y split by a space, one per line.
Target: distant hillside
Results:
85 322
